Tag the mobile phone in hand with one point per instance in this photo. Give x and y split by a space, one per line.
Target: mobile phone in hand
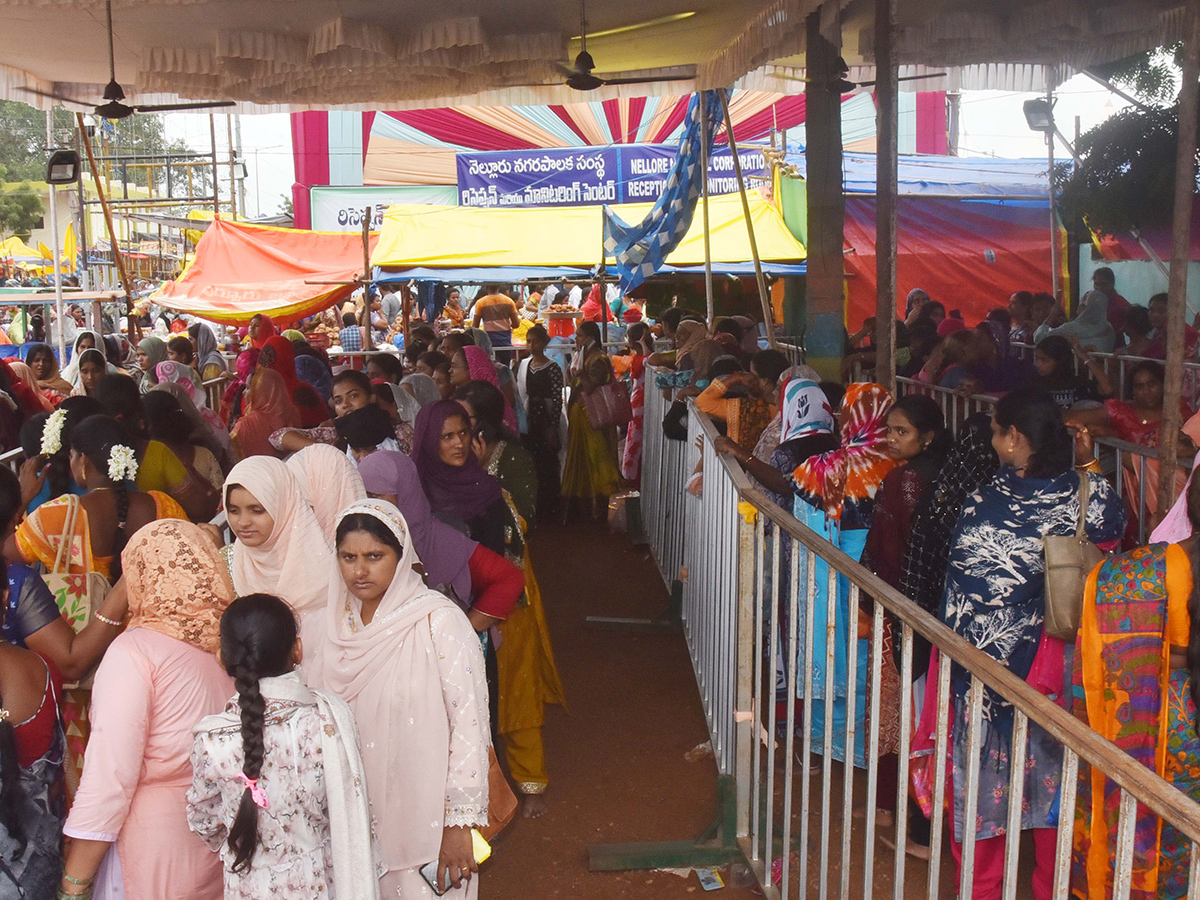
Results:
429 872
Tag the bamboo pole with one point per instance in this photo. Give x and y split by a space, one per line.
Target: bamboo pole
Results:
768 314
1181 234
368 338
708 280
887 89
135 331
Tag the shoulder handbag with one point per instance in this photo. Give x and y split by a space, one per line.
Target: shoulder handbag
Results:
77 596
502 802
609 405
1069 561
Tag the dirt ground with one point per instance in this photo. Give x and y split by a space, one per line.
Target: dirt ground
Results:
616 758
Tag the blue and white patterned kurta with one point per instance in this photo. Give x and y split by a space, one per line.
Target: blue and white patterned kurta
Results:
995 598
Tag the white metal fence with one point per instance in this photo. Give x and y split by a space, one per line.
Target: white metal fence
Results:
1129 465
742 613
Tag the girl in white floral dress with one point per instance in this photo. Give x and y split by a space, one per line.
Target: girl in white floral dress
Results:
278 788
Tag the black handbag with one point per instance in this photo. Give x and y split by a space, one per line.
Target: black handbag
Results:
674 424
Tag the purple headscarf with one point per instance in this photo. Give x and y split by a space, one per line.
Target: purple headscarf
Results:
460 491
443 550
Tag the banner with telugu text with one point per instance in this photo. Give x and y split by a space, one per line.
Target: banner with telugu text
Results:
588 176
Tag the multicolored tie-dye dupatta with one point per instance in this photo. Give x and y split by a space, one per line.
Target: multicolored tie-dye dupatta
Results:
1134 609
843 482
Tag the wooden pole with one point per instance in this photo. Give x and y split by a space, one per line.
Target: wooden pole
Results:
368 338
1181 235
768 315
212 136
233 205
1055 250
135 330
708 281
825 283
887 88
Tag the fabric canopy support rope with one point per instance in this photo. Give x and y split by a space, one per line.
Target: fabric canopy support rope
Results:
242 270
641 250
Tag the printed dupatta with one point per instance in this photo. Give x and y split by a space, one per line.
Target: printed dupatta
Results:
844 481
1134 609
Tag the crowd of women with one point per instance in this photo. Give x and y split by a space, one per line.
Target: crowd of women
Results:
389 627
958 524
330 730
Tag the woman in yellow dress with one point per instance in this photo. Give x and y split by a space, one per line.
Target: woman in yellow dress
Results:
591 471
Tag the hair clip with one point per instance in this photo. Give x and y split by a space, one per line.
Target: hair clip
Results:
257 794
3 714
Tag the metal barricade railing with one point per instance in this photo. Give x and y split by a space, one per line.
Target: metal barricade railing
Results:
214 389
1118 366
743 612
664 474
1133 467
956 407
13 459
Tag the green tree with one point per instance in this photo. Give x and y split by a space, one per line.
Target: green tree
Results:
23 147
1125 177
20 208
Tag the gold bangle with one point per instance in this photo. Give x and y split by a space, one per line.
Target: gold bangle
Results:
115 623
1092 466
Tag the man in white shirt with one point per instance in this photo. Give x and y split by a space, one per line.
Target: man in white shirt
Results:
547 300
574 295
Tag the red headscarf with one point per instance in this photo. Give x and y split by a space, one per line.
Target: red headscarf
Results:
266 331
594 308
313 410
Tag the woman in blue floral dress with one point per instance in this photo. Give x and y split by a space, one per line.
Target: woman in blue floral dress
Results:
995 598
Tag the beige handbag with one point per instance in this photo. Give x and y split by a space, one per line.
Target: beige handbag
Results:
1069 561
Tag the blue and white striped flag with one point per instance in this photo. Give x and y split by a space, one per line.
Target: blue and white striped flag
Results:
641 250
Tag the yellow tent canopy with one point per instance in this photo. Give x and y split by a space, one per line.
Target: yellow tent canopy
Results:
461 236
18 251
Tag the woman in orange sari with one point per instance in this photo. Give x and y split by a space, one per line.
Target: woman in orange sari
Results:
84 536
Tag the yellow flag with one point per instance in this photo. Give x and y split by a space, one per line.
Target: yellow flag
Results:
70 250
45 251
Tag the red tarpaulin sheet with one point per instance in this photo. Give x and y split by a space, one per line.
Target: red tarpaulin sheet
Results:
969 254
241 270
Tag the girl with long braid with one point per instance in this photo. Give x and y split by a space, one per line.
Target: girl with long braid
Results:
278 788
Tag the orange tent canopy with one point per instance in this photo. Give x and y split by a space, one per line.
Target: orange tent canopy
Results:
242 270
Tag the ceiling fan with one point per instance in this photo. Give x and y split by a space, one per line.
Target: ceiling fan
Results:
113 108
580 77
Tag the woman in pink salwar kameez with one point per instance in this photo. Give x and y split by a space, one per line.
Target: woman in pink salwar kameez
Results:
129 829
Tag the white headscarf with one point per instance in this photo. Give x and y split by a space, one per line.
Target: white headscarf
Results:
330 479
295 561
420 702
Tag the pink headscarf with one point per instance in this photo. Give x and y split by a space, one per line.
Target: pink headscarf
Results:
330 481
481 368
1176 526
296 561
414 678
949 325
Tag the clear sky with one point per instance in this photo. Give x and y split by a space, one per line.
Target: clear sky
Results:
992 124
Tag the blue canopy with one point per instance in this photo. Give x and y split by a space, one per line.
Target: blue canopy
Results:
944 176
